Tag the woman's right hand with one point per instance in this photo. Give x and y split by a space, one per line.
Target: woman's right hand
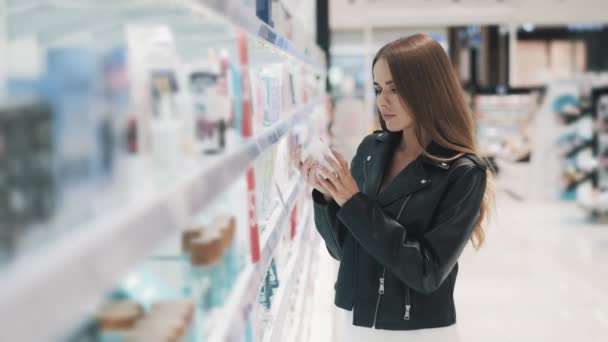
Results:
309 169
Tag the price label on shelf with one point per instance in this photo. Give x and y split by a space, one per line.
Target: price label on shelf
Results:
294 221
254 232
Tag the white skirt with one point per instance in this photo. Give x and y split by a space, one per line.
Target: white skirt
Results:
347 332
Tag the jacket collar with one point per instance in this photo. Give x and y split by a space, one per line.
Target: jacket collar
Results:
436 150
413 178
433 148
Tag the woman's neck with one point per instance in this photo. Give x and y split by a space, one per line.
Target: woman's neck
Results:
410 147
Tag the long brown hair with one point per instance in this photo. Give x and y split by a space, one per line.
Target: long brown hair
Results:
424 78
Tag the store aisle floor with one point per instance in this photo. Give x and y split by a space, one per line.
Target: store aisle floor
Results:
542 276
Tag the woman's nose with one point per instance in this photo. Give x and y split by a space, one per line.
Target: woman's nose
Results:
383 100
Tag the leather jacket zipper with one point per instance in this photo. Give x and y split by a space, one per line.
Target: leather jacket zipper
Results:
380 293
408 305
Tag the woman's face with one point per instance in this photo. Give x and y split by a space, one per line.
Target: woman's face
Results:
392 107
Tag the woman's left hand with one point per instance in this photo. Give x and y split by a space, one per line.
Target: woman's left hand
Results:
340 184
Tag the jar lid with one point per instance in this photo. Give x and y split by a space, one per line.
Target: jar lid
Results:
188 235
119 315
205 252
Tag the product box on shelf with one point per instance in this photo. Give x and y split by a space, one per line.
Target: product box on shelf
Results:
267 299
228 99
263 10
115 134
289 78
167 122
264 173
282 169
116 97
72 84
282 19
27 183
603 161
200 82
87 92
602 114
127 320
163 123
258 99
273 93
600 106
297 136
302 88
213 96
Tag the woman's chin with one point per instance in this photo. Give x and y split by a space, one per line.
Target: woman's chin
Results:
393 128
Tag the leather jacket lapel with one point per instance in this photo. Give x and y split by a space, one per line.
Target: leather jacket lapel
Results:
377 160
411 179
408 181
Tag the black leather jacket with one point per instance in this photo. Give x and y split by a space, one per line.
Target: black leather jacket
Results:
398 249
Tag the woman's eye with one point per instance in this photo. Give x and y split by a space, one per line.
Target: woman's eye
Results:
377 91
394 91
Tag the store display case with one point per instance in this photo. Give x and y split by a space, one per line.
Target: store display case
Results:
165 190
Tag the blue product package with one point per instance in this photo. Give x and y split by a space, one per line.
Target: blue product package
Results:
116 82
24 87
71 87
264 11
564 100
113 129
249 332
237 91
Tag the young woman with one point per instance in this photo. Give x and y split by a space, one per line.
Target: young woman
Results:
415 194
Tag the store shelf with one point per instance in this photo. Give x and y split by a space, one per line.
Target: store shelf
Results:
244 294
57 286
48 19
302 302
245 19
297 260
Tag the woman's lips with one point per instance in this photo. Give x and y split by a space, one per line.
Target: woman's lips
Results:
388 116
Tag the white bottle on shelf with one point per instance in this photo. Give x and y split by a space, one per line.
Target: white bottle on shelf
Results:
166 140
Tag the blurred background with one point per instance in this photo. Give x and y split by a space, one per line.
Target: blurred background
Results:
147 187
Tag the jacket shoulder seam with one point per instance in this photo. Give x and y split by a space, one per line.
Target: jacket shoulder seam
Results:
470 161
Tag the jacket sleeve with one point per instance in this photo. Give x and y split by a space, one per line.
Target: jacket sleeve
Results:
331 229
422 264
327 223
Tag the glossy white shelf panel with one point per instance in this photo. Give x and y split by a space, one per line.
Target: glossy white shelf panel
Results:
64 281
